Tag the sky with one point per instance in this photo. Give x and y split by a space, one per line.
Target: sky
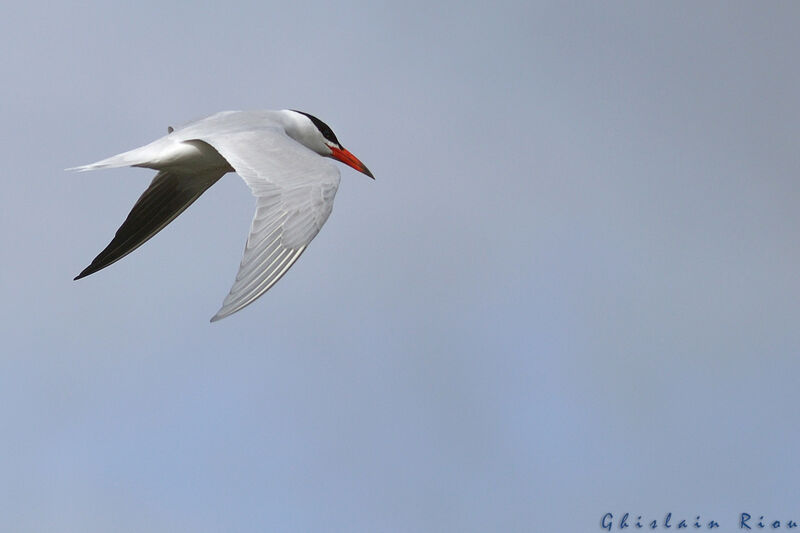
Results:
572 289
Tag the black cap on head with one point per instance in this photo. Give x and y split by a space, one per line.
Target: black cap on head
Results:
323 128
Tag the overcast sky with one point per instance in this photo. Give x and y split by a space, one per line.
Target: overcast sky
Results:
572 289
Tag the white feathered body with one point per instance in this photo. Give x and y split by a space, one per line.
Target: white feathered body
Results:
277 153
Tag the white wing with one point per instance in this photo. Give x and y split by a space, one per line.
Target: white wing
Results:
294 188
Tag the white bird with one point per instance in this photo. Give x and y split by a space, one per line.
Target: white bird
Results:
281 155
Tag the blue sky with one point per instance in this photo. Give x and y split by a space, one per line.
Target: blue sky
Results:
571 290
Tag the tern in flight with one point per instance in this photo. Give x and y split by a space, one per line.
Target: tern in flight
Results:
283 156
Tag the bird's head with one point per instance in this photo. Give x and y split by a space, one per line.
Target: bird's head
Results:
315 135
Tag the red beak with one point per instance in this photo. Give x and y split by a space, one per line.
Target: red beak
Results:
349 159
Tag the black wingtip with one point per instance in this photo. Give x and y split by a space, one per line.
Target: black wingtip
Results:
85 272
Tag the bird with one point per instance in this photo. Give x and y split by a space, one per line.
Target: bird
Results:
284 156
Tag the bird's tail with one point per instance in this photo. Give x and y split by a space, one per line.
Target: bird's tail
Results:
126 159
